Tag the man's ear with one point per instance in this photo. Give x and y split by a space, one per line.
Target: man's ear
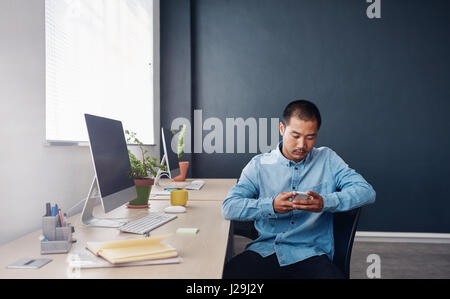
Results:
282 128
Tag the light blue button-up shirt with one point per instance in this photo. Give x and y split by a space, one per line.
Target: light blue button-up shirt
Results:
296 235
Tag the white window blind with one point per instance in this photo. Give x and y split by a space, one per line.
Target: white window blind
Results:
99 56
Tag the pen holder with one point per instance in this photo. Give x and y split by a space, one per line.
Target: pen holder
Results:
49 227
59 239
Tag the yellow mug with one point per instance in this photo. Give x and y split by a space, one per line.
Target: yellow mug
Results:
178 197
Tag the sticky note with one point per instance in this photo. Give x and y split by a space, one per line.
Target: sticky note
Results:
187 231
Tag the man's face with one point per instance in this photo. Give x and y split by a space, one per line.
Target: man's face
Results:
299 138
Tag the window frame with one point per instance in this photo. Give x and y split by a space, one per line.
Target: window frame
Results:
155 91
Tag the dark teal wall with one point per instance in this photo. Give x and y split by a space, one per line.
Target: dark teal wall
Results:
381 85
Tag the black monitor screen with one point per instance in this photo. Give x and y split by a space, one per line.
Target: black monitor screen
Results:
110 154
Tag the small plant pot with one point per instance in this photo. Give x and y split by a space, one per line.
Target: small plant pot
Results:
183 170
143 188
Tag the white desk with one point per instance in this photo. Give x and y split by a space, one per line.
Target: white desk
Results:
203 254
212 190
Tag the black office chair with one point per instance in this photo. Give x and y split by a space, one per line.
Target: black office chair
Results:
344 225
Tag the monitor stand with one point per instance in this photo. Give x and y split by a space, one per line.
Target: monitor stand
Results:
159 176
87 216
161 173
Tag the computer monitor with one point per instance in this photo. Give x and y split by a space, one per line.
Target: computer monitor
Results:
111 165
164 160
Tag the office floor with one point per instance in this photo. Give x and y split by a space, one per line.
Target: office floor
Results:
397 260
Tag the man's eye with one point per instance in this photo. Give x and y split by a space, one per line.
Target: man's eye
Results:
311 137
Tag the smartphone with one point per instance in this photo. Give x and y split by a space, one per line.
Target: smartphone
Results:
301 195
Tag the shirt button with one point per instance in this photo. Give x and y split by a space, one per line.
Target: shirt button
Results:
276 243
293 187
292 222
296 168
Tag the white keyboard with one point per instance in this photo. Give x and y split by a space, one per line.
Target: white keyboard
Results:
145 224
195 185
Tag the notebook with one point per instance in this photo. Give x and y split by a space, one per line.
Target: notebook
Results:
85 259
133 250
157 193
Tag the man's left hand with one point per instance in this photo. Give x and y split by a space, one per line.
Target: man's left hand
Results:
313 204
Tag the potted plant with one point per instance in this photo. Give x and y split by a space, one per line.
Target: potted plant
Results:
184 165
143 171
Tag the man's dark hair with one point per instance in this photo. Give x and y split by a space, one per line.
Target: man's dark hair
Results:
302 109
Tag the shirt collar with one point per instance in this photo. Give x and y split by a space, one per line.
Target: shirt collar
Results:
285 161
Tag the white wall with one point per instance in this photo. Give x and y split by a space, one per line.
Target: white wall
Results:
32 173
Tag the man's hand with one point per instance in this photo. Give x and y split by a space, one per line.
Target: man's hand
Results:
313 204
281 203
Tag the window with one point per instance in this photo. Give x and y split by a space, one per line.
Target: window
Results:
99 60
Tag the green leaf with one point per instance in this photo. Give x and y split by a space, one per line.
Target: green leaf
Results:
145 167
181 142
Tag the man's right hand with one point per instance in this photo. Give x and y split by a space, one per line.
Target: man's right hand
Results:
282 204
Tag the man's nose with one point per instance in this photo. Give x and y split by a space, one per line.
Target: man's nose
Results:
300 142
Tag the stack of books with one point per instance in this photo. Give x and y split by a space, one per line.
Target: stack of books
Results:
142 251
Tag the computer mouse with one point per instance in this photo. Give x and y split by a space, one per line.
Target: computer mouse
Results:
175 209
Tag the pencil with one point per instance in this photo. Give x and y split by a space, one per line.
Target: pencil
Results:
61 217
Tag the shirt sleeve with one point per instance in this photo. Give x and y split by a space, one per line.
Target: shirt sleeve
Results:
243 202
353 190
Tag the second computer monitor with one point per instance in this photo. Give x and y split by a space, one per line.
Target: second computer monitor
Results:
165 158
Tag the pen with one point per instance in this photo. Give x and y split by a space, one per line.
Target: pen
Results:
54 211
61 218
48 209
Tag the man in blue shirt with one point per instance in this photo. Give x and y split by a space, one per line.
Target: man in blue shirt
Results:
295 236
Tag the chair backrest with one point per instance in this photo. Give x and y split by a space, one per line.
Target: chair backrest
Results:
344 229
245 229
